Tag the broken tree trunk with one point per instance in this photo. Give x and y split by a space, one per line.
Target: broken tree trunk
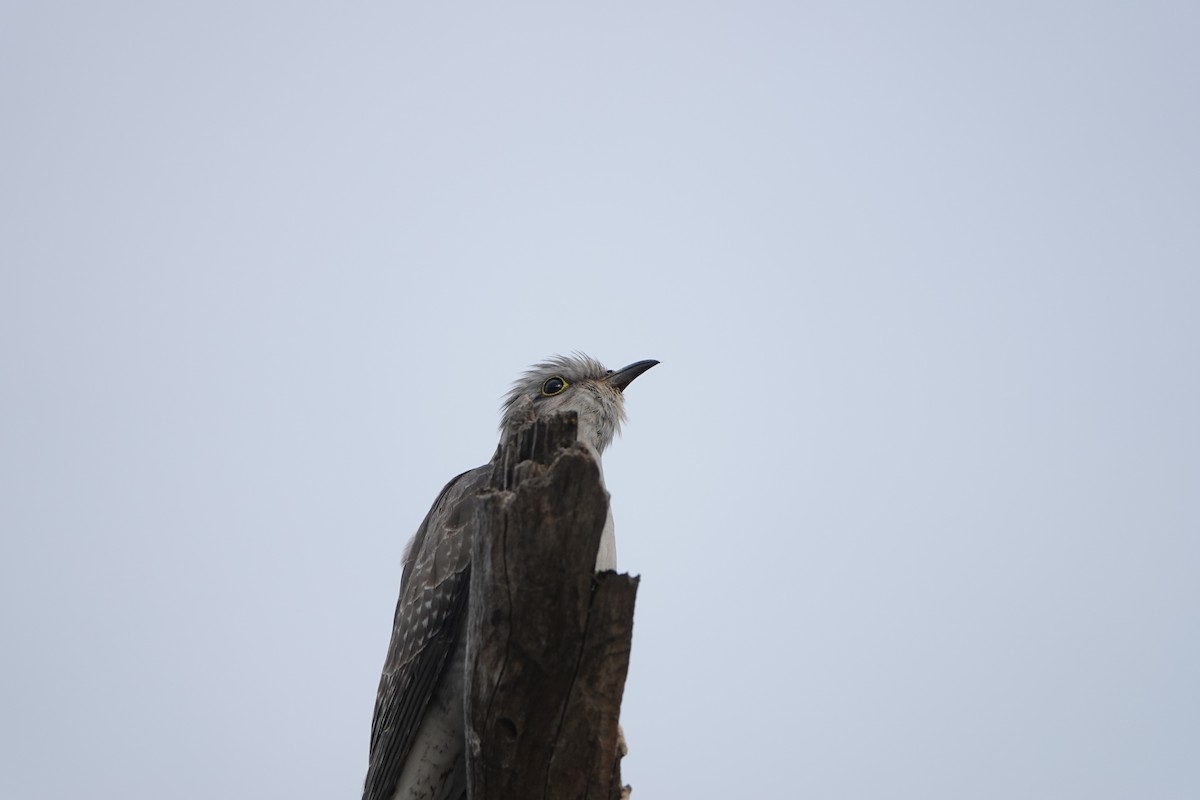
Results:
548 638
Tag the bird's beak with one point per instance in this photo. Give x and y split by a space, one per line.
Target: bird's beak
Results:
625 375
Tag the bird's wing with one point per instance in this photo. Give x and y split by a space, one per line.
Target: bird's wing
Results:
433 593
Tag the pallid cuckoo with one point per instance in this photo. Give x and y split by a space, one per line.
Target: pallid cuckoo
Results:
418 735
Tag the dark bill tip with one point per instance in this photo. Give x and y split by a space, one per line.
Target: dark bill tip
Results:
625 375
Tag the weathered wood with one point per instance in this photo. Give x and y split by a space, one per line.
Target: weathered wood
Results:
548 638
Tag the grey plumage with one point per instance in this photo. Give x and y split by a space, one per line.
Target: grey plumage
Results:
417 747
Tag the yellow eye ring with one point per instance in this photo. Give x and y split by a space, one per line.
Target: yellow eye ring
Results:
553 386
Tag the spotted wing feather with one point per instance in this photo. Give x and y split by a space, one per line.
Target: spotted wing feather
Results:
433 593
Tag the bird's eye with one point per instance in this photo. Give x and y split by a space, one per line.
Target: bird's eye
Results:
553 386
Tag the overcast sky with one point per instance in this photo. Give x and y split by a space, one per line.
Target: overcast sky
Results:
914 494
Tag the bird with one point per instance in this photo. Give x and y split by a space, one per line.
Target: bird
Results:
418 731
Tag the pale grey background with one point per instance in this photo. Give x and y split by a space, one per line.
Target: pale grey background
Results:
914 492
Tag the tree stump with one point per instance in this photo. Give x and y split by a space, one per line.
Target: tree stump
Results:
548 637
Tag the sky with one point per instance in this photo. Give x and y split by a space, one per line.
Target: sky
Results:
914 494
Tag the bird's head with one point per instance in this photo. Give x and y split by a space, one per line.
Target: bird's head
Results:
573 383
